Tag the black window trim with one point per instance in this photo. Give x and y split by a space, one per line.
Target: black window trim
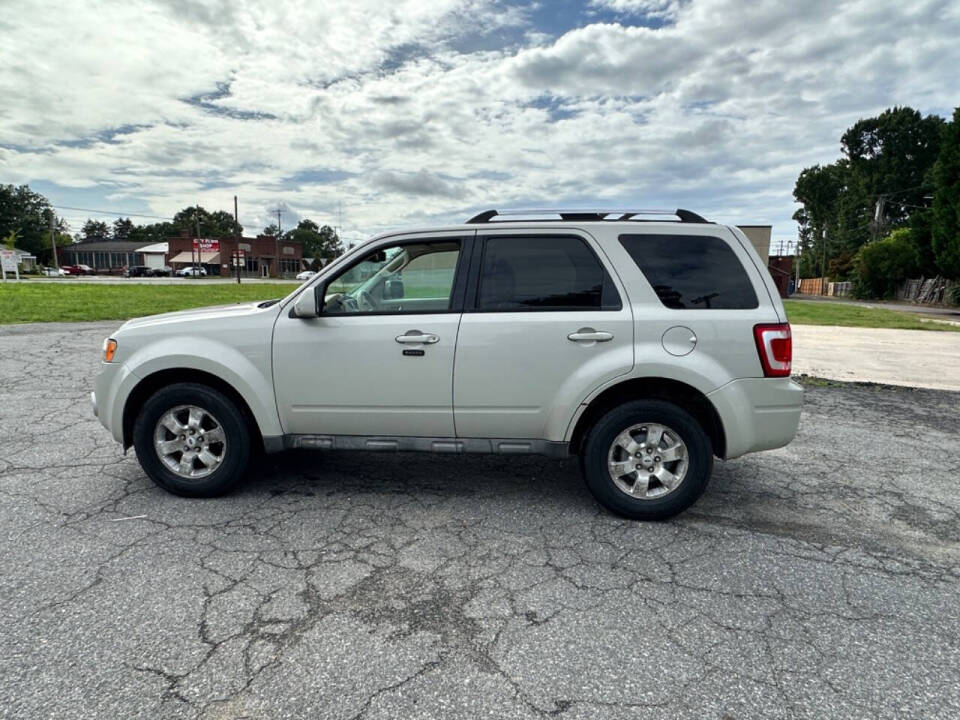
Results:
747 274
457 291
480 251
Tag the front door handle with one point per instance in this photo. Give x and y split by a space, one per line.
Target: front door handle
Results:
415 336
588 334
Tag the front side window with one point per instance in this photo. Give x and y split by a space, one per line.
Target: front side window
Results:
407 278
543 273
692 272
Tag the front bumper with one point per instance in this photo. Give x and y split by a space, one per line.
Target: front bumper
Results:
758 413
112 386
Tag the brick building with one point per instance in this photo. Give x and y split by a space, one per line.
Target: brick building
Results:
104 256
262 256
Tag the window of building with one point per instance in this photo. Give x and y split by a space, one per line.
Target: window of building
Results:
543 273
102 259
692 272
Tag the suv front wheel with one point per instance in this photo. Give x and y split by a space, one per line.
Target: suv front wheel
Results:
192 440
647 460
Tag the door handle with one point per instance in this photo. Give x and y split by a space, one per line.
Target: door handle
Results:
588 334
415 336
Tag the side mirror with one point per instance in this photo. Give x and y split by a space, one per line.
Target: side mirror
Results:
306 306
393 289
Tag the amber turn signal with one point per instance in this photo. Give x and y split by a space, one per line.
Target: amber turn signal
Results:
109 349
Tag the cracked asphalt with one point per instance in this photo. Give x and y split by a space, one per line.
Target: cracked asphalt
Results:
816 581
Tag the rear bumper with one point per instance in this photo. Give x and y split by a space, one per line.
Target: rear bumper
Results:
758 413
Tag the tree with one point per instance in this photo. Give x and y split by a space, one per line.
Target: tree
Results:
94 230
26 214
122 228
218 224
882 265
819 189
271 231
945 223
317 242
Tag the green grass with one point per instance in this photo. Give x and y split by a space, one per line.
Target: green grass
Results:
812 312
61 302
65 302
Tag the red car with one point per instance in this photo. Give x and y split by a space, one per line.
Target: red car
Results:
78 270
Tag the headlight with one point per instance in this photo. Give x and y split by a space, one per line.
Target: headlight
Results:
109 349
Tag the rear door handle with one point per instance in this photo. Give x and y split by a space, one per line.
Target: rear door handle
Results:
415 336
588 334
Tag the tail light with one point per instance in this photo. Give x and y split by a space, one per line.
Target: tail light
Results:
775 347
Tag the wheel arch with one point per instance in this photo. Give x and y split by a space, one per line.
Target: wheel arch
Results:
174 376
652 388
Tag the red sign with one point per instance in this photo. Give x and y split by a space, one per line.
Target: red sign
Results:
206 245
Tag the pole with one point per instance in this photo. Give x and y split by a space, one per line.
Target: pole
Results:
53 241
196 217
277 242
236 232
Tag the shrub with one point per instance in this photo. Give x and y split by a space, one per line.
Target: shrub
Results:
882 265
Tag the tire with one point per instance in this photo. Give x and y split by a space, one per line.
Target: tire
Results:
641 494
216 466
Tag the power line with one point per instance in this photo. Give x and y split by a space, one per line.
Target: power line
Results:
111 212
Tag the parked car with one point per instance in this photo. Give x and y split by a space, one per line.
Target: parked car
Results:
164 271
645 348
305 275
78 270
191 271
138 271
54 272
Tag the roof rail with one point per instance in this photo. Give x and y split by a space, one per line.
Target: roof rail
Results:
684 216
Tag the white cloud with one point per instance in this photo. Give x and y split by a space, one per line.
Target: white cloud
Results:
171 103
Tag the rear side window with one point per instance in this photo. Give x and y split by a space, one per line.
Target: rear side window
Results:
543 273
692 272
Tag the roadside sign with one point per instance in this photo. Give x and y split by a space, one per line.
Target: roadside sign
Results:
204 245
8 263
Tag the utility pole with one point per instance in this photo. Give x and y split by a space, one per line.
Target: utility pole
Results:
236 232
196 217
53 240
277 240
878 216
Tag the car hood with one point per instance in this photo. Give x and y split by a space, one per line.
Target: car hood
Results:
214 313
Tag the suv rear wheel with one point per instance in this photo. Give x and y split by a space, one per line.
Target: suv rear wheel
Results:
192 440
647 460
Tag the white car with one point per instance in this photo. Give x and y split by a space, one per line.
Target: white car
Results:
305 275
55 272
191 271
646 344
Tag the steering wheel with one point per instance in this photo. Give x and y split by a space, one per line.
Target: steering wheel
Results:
366 302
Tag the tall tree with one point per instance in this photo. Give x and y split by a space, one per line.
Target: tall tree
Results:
25 213
94 230
122 228
317 242
945 225
217 224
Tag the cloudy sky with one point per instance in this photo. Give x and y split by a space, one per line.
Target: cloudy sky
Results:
417 112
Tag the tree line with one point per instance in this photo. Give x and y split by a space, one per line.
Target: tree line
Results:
888 208
25 222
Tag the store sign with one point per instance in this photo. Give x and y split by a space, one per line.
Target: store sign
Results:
8 259
206 245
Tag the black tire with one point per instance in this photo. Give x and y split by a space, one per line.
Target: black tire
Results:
609 426
237 448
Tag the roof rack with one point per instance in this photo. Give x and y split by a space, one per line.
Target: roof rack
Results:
582 215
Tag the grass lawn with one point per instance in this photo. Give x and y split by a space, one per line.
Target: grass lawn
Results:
62 302
812 312
65 302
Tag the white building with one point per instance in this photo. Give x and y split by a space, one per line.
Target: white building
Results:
155 256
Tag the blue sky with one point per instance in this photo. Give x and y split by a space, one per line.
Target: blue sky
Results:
410 113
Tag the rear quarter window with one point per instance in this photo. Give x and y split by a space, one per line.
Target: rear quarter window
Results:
692 272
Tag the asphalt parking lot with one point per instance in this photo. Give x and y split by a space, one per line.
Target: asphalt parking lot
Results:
816 581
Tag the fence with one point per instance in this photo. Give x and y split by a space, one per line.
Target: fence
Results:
930 290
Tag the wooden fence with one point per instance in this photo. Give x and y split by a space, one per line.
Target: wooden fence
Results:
821 286
929 290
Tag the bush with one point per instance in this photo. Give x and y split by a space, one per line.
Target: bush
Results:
953 294
879 267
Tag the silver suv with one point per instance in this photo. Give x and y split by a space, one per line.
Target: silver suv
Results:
644 342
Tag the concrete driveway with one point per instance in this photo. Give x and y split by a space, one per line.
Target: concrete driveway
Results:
817 581
914 358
